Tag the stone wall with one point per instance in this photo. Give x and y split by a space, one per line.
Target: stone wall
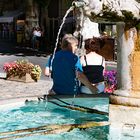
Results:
136 71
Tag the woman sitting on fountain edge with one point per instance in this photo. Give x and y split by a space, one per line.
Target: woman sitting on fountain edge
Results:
93 64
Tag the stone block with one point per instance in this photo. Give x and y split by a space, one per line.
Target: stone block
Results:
123 116
26 79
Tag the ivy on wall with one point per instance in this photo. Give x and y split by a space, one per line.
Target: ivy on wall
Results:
68 2
43 3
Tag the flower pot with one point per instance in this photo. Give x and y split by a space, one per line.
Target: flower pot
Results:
26 79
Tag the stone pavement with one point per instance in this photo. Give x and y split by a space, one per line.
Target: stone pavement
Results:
13 89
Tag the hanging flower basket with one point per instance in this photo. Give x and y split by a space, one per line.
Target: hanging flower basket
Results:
23 71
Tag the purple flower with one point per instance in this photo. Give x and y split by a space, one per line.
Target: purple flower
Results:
111 80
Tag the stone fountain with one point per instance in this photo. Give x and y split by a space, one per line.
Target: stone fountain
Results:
125 101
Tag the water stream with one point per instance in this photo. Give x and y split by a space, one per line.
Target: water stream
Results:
46 102
57 39
59 31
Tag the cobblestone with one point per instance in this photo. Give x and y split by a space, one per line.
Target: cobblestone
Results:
13 89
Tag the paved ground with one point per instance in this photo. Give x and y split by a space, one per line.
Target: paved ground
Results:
11 89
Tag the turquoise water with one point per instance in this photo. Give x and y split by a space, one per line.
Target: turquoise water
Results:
34 114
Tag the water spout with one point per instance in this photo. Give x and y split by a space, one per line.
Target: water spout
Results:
78 4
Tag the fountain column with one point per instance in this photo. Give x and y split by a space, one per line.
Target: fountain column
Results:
128 67
125 102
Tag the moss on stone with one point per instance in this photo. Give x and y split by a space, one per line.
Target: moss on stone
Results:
127 16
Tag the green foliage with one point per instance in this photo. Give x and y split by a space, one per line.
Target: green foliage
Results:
43 3
138 26
127 16
68 3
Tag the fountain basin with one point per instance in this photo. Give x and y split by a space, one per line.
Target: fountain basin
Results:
19 115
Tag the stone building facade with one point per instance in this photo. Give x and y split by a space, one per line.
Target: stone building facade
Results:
48 16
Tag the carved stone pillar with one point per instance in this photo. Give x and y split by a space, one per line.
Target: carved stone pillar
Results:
128 68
